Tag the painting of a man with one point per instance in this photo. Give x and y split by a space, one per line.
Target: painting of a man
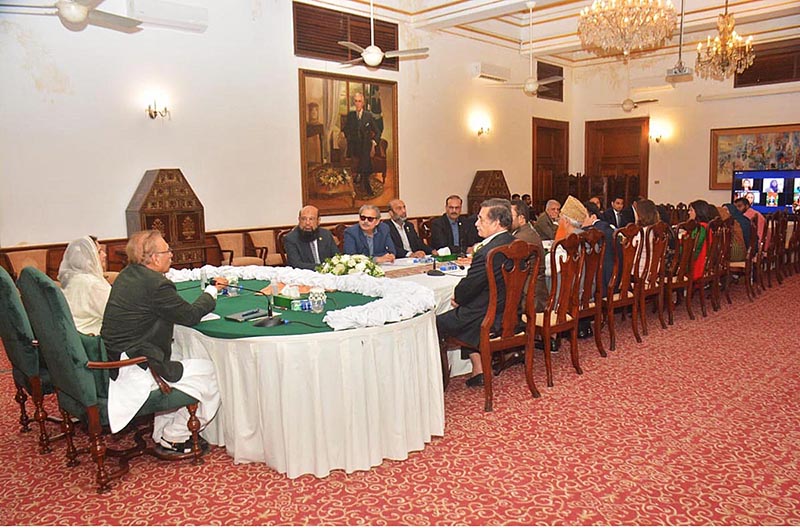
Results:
363 133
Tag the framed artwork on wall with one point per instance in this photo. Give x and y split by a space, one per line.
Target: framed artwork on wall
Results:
752 148
348 141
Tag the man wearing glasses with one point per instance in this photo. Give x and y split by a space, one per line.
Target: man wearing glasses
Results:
369 237
142 308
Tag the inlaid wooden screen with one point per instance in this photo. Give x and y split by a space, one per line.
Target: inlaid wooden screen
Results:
317 32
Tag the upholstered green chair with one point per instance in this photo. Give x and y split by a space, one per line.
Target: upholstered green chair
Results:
79 369
30 375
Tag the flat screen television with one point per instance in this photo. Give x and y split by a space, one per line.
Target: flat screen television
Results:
768 190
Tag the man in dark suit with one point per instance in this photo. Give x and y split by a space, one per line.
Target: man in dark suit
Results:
308 245
452 229
521 228
471 296
593 222
363 134
618 215
138 321
369 237
405 237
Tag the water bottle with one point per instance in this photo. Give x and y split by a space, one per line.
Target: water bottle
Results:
203 279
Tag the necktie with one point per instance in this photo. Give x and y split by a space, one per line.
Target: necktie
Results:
315 251
617 215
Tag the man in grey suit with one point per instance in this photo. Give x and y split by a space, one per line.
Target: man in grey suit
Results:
547 223
471 296
308 245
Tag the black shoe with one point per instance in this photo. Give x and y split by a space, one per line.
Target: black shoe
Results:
553 344
183 447
585 331
514 359
475 381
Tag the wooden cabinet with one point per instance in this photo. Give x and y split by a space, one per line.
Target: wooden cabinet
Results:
165 201
486 184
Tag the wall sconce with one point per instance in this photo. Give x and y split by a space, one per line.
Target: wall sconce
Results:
153 111
484 130
660 129
656 137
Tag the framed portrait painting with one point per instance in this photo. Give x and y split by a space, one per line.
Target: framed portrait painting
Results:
752 148
348 141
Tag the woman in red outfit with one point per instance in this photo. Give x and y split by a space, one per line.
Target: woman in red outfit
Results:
700 212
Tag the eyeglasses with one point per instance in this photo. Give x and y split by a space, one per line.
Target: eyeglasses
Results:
367 218
168 250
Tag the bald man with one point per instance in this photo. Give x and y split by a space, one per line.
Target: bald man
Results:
308 245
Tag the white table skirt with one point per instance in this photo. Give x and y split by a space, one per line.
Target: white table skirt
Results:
317 402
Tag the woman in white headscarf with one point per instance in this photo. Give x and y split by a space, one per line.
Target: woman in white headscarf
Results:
86 290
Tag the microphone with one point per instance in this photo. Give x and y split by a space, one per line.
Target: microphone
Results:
267 322
433 272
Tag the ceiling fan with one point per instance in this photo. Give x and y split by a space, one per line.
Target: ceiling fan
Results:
629 104
372 55
532 85
75 14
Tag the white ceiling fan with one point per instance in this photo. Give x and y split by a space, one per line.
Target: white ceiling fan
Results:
372 55
532 85
75 14
628 104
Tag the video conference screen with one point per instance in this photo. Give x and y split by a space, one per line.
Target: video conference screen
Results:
769 190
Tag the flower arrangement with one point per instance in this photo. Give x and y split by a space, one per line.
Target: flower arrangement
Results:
350 265
330 177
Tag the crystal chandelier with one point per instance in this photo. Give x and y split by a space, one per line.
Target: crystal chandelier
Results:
611 26
727 53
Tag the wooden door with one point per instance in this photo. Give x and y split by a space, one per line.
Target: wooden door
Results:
618 151
550 157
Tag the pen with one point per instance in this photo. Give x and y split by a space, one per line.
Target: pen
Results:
250 312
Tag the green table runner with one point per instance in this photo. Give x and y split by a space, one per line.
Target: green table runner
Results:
190 290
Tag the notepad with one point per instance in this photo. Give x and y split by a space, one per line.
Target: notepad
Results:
247 315
210 316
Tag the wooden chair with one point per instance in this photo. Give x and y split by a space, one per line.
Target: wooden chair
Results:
781 220
520 260
233 244
709 266
591 303
793 246
562 309
265 245
425 232
723 281
281 249
29 257
338 234
679 275
79 369
622 287
747 267
651 280
682 212
768 252
28 371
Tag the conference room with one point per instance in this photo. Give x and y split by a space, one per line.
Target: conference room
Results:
216 123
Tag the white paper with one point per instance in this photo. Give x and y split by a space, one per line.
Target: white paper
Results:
210 316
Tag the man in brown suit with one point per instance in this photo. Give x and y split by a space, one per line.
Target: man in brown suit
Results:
521 228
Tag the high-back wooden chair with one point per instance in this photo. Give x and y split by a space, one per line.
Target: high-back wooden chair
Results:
29 257
590 300
265 243
622 287
232 248
651 280
338 235
793 245
747 267
28 370
681 212
724 262
679 275
79 369
519 261
563 305
781 220
709 266
281 248
425 231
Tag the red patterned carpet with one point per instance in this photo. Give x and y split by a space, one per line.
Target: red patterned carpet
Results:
700 424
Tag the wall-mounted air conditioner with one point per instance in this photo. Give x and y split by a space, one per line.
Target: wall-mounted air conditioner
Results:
169 14
493 72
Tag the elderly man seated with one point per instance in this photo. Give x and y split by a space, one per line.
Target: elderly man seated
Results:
471 296
308 245
369 237
404 235
140 314
547 223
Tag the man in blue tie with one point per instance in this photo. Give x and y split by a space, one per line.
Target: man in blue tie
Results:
452 229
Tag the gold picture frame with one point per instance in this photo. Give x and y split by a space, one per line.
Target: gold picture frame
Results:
348 158
752 148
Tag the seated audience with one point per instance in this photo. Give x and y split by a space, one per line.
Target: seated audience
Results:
593 221
515 196
85 288
308 245
453 230
618 215
527 199
699 211
404 235
597 201
369 237
471 297
138 321
547 222
646 216
521 228
744 207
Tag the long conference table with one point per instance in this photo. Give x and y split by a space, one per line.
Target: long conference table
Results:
304 399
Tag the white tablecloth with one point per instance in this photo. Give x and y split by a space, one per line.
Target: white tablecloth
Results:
317 402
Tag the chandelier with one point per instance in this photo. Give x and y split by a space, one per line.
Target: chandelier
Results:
611 26
727 53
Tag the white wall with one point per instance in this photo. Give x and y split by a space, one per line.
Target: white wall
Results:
680 163
75 141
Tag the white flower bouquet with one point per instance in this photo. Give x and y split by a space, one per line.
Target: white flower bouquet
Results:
331 177
350 265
